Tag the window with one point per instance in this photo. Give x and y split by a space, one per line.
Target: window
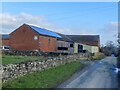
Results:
6 47
62 48
35 37
49 41
71 45
39 43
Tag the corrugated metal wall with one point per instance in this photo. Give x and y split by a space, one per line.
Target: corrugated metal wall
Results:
92 49
66 45
75 47
95 49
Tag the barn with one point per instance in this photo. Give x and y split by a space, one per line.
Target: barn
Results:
90 43
64 44
32 38
5 39
28 37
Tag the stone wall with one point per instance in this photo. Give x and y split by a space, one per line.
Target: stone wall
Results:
30 53
11 71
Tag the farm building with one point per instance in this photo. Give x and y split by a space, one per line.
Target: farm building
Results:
5 40
64 44
28 37
90 43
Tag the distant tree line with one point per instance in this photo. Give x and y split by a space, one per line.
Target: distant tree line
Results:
110 48
119 44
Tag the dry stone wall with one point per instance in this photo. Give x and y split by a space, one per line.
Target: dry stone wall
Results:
28 53
11 71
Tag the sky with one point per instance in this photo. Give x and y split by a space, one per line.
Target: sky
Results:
78 18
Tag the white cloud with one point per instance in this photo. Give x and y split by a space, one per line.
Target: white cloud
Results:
84 31
111 27
11 22
109 32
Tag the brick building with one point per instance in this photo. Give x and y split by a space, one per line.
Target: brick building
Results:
5 40
28 37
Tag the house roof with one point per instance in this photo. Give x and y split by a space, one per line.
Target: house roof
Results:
43 31
65 37
85 39
5 36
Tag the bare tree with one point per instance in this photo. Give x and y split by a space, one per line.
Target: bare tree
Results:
109 49
119 43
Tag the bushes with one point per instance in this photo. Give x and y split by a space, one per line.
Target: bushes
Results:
28 53
118 61
98 56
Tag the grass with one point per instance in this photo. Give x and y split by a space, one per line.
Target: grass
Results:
99 56
45 79
10 59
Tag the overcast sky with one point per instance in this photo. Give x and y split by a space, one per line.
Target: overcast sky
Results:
68 18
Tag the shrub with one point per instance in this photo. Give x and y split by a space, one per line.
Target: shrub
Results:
98 56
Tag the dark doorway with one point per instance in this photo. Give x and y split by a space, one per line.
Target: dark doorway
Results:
80 48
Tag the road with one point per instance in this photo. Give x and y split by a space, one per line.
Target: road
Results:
100 74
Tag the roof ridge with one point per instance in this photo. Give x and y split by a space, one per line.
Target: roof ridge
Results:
44 31
41 28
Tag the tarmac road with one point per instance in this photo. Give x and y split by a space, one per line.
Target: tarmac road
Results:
100 74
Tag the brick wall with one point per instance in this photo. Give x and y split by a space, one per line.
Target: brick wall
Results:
23 39
5 42
47 44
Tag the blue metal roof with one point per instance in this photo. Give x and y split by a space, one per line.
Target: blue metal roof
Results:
45 32
5 36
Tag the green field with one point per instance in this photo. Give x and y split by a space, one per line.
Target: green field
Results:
45 79
9 59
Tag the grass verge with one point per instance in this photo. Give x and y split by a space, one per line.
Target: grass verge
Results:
10 59
45 79
98 56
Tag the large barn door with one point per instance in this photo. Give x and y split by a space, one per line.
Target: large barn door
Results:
80 48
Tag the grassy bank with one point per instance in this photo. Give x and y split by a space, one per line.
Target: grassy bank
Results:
9 59
45 79
98 56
